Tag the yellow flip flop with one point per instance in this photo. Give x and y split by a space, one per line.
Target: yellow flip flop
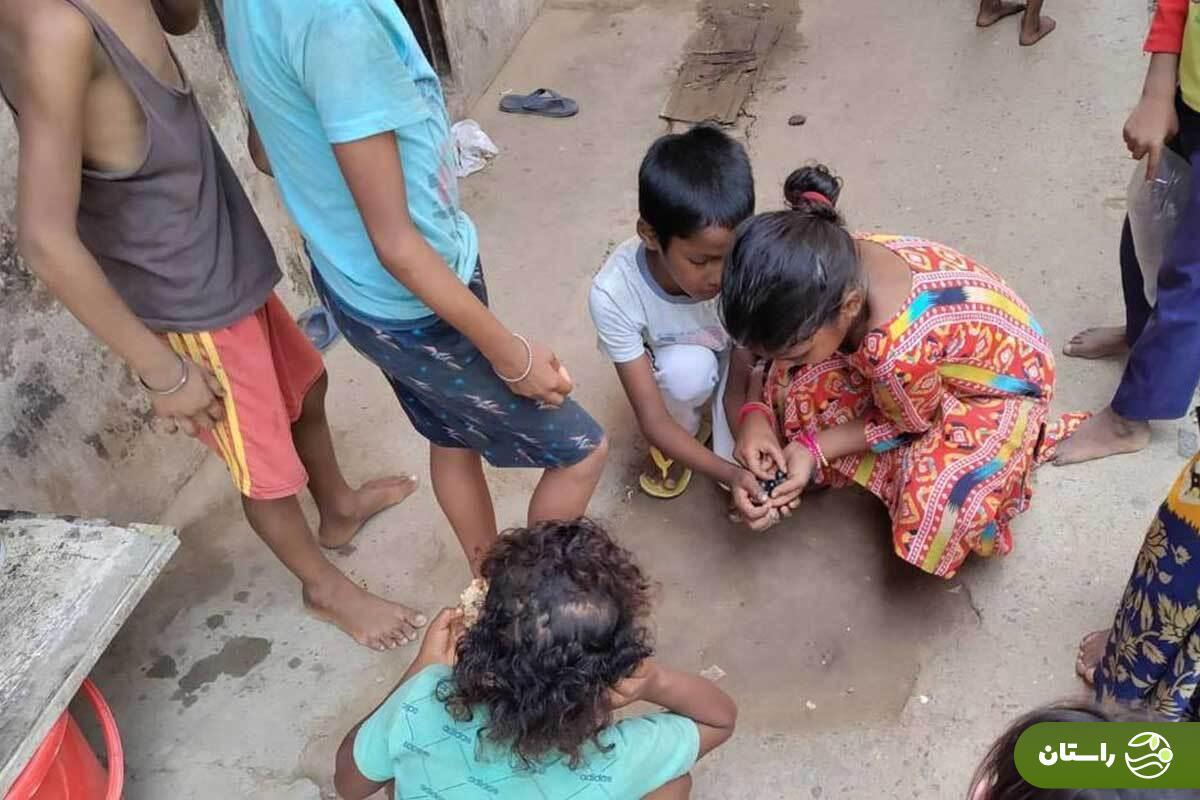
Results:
656 487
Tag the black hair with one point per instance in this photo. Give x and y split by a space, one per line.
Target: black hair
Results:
999 771
689 181
788 271
563 623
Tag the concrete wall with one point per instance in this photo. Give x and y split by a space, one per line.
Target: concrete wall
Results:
74 427
480 36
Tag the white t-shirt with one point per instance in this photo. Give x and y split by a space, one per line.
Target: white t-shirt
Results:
632 312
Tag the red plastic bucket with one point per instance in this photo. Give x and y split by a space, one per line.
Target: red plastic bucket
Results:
64 766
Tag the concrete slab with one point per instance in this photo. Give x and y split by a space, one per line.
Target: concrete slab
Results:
225 689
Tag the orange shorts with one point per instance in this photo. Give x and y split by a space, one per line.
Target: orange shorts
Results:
267 366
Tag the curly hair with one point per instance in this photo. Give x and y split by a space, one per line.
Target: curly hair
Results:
563 622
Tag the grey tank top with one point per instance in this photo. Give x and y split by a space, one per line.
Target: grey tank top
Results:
177 236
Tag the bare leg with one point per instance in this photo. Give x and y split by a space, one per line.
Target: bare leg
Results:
992 11
343 510
1097 343
329 594
678 789
565 493
1091 650
462 491
1034 26
1106 434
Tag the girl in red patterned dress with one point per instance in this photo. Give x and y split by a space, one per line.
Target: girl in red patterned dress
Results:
895 363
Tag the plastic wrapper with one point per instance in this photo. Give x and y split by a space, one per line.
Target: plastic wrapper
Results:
475 148
1155 208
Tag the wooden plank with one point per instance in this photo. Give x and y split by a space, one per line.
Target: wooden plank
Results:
724 57
66 587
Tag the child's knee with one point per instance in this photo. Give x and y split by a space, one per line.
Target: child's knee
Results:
687 375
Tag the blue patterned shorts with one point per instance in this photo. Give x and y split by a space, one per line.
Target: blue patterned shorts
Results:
454 398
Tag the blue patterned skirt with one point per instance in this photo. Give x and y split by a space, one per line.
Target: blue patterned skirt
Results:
1152 659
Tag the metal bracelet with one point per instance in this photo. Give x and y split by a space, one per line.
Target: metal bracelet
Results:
183 378
528 366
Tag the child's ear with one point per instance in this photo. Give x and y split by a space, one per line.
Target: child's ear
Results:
852 305
648 236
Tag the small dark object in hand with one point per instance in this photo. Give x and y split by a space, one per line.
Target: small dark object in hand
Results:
769 486
796 120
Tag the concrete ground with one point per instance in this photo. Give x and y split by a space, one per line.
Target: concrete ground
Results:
857 677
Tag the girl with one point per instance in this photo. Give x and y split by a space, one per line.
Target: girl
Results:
1150 657
521 704
895 363
998 779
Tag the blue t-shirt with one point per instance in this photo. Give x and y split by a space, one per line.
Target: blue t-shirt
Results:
413 739
322 72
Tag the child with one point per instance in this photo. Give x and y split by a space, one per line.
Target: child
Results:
521 704
132 216
354 127
1162 371
1034 26
1150 656
997 777
654 304
898 364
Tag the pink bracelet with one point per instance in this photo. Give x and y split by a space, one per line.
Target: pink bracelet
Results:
809 440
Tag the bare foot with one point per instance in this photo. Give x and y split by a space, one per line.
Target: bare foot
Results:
1032 33
369 499
369 620
992 11
1097 343
1091 650
1105 434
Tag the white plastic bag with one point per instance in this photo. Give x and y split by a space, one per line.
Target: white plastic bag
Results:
474 147
1155 208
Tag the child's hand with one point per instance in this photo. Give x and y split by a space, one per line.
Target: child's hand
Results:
749 499
1153 123
548 380
197 404
800 467
758 447
635 688
441 639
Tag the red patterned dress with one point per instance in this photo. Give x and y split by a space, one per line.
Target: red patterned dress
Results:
955 391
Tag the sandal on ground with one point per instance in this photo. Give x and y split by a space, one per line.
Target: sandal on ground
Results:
540 103
318 325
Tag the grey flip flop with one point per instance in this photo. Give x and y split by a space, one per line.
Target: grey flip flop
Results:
318 325
540 103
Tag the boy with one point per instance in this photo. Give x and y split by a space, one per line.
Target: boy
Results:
131 215
1162 372
521 704
654 305
352 121
1034 26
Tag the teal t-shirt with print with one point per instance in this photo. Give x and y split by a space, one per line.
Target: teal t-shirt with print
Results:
431 756
316 73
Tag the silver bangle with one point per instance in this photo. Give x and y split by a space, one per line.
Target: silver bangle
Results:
183 378
528 366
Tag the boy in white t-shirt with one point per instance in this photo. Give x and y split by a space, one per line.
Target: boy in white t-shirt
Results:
655 307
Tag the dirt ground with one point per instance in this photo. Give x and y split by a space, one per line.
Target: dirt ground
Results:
857 677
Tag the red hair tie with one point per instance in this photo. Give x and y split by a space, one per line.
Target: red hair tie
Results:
816 197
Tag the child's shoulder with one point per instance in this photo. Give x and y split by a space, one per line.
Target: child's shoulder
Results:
619 268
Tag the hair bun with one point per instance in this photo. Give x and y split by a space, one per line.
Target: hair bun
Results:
807 188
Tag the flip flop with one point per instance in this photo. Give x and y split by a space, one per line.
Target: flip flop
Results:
657 487
318 325
540 103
